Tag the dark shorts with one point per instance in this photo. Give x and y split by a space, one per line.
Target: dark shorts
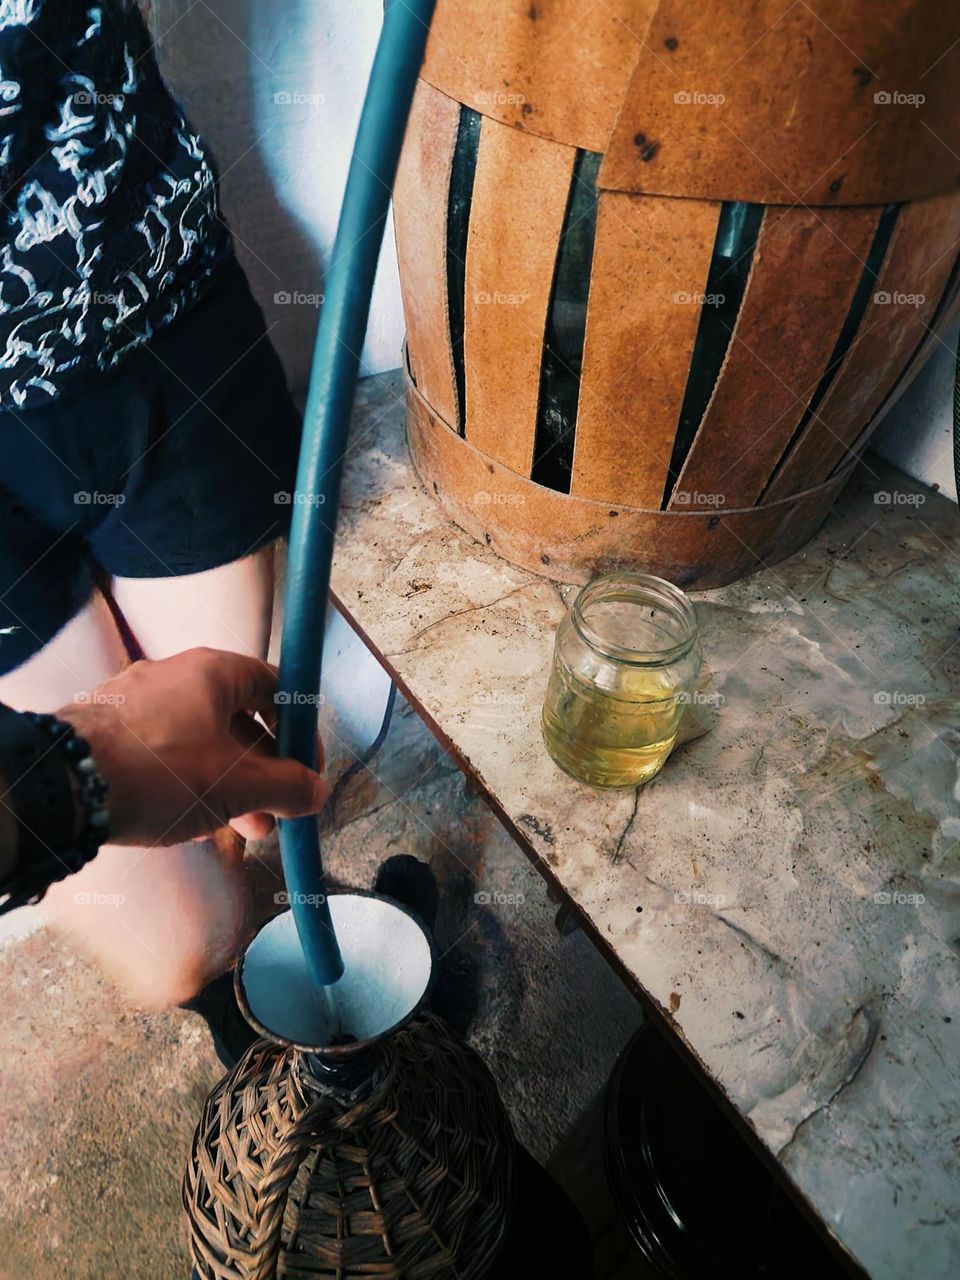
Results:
171 464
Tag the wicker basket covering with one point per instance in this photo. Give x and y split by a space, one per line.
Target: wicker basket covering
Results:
408 1175
665 265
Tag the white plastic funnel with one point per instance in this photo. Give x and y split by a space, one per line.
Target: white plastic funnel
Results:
388 964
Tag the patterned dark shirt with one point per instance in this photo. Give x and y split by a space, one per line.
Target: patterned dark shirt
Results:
109 220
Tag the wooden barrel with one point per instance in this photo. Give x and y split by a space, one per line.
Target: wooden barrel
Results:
665 268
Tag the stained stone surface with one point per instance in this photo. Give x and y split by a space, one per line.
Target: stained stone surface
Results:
786 893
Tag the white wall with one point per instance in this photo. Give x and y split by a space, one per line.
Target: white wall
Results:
917 434
283 165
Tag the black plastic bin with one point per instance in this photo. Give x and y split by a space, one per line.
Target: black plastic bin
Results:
698 1202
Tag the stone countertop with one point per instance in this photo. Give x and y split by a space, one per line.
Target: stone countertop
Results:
787 892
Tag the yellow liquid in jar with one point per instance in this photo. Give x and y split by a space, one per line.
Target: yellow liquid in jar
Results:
608 739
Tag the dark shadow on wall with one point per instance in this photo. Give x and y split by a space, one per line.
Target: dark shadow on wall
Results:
214 56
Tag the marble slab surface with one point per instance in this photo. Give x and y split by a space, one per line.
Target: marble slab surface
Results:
787 892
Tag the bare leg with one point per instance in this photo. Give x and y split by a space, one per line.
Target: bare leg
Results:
230 607
200 889
84 653
161 922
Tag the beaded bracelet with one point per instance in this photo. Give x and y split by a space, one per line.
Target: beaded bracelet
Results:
42 753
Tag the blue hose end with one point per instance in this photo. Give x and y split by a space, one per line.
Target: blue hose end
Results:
307 896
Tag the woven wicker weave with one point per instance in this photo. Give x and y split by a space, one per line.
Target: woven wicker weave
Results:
408 1175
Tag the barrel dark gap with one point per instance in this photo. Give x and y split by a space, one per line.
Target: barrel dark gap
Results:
858 306
462 174
565 330
737 229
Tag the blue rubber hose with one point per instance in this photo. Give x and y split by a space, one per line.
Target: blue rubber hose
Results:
333 378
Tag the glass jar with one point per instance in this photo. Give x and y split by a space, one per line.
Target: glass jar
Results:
626 658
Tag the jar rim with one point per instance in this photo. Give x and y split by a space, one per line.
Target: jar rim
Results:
635 587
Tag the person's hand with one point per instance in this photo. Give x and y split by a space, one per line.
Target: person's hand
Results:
178 745
182 754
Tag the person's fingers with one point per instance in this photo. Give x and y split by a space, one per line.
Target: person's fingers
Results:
250 685
243 683
251 734
261 784
265 738
254 826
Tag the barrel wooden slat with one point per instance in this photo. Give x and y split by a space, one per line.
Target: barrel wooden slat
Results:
805 271
650 259
420 197
806 106
556 68
571 538
934 339
776 103
519 199
918 262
